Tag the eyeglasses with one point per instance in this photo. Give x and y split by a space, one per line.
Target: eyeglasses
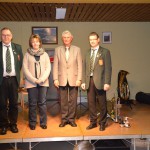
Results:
6 35
93 39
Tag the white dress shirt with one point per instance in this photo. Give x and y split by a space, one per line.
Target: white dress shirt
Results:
95 53
12 73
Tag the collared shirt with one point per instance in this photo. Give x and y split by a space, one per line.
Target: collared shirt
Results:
13 72
95 53
96 50
67 53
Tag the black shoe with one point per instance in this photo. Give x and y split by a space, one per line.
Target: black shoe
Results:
44 126
32 127
91 126
14 129
102 127
63 124
73 124
3 131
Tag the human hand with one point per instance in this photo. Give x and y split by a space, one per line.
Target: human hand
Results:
106 87
39 81
36 81
78 83
83 86
56 83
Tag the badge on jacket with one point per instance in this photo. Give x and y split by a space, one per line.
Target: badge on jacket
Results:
101 62
18 57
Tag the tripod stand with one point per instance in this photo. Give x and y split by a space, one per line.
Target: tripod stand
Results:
81 105
56 102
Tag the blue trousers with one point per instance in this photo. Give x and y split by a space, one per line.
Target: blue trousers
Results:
37 97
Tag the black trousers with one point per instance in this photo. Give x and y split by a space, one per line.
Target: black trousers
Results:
8 101
96 98
68 95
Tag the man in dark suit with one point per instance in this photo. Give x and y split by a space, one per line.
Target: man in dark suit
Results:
97 71
11 57
67 75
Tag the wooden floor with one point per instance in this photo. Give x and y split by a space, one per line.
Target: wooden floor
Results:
139 120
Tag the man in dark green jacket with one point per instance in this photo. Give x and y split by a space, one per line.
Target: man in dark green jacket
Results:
96 80
11 57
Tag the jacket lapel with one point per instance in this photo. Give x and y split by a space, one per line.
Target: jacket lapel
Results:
14 52
63 53
99 53
89 59
71 51
1 55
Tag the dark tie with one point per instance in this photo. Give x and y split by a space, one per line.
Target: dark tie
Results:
92 61
8 60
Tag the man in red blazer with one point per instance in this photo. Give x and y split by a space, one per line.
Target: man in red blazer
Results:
67 75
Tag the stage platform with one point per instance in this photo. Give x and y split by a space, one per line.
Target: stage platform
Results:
139 119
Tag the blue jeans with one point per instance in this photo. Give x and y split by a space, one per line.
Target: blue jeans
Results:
37 97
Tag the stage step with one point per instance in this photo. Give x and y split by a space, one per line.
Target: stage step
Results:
116 144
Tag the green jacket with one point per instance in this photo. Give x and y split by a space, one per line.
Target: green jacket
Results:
102 68
18 58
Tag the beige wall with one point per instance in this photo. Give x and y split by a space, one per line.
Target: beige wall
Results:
130 48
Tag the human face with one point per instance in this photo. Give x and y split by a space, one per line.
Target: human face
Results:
6 36
94 41
35 43
67 39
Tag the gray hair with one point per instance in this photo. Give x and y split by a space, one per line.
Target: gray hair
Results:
67 32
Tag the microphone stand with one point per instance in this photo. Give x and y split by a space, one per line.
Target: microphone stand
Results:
80 105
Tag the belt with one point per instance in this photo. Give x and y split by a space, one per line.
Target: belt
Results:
8 76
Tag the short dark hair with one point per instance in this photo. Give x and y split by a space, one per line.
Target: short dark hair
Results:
94 34
6 28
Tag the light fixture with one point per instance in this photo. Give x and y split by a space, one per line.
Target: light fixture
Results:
60 13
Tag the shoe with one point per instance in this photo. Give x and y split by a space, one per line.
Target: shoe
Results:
91 126
44 126
14 129
102 127
32 127
3 131
73 124
63 124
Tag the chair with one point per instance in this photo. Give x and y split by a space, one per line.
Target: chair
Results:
23 92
